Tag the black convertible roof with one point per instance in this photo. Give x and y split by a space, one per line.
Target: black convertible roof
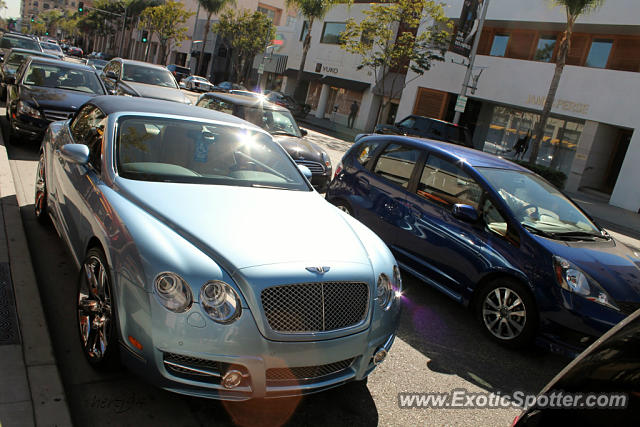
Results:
110 104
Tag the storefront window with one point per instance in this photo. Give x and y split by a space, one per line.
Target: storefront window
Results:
599 53
499 46
509 125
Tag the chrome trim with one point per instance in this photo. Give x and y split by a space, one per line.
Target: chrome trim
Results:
195 370
316 168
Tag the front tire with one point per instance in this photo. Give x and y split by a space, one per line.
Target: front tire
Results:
507 312
41 199
96 314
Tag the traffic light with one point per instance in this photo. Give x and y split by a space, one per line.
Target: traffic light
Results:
33 19
80 7
46 33
145 35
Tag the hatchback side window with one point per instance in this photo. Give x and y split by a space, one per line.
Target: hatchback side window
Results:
493 218
447 184
365 153
396 163
408 123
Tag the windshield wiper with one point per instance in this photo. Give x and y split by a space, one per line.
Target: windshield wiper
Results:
579 234
273 187
282 132
538 231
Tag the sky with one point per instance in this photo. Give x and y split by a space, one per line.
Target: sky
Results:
13 9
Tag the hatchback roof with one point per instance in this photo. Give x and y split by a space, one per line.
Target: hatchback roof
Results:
473 157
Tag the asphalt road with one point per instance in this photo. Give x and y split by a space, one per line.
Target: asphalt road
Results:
439 348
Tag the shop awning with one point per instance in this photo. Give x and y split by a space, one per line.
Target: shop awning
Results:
306 75
272 64
344 83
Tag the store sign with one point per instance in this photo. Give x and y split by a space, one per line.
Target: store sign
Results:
326 69
465 34
560 104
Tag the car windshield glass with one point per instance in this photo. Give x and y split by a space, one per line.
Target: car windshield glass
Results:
14 60
60 77
181 151
98 63
535 203
148 75
274 122
19 42
455 134
51 46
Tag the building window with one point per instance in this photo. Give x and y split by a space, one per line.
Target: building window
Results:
331 32
291 21
499 46
544 51
599 53
272 13
305 30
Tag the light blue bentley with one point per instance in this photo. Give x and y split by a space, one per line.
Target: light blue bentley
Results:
208 263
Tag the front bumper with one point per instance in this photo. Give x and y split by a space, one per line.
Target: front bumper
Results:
29 126
192 342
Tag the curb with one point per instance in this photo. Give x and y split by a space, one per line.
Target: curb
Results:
45 386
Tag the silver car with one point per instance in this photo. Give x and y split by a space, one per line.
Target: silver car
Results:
209 265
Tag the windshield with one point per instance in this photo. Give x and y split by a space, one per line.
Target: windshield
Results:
537 204
51 46
148 75
168 150
97 63
53 76
19 42
274 122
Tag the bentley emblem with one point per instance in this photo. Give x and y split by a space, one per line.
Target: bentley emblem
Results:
319 270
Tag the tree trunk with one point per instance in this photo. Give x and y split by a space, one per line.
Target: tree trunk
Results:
305 50
207 27
565 44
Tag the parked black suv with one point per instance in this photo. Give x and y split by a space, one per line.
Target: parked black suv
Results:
427 127
179 72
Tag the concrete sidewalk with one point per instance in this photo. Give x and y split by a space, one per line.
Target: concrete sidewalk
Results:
31 393
335 129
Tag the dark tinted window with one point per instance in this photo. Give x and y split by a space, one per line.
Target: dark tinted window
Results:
364 153
455 134
396 163
445 183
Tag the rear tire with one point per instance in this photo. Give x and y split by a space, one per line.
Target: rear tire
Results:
507 312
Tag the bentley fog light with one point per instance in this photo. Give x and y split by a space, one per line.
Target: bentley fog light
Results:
173 292
384 291
220 301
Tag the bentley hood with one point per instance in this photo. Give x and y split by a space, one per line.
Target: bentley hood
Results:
242 227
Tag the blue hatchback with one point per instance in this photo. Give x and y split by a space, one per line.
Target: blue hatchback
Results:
493 235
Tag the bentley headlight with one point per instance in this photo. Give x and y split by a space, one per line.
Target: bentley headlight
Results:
220 301
572 279
173 292
384 291
28 110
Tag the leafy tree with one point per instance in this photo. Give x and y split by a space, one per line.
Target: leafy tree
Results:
212 7
387 43
574 9
51 19
167 22
247 33
311 10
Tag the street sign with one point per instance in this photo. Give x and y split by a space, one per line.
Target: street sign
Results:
461 104
261 69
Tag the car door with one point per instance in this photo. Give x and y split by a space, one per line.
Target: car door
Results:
382 190
77 184
441 249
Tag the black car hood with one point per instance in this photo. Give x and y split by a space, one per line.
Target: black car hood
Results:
156 92
300 148
54 99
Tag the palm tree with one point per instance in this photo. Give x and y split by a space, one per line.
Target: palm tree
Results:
310 10
574 9
211 6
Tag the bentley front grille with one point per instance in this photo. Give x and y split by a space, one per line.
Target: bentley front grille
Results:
315 307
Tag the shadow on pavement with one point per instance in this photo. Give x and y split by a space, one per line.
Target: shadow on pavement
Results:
448 334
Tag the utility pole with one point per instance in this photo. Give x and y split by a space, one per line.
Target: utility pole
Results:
472 59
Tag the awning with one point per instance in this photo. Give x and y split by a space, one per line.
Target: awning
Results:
344 83
272 64
393 81
306 75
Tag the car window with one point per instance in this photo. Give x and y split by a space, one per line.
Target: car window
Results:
409 122
437 130
185 151
366 151
274 122
217 104
148 75
447 184
19 42
87 119
396 163
61 77
455 134
493 218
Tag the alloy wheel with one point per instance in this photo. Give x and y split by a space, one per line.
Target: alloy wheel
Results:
95 313
504 313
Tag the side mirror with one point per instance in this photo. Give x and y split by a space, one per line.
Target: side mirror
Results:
10 80
111 75
305 171
465 213
75 153
303 132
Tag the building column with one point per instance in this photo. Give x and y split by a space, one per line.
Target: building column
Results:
322 102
